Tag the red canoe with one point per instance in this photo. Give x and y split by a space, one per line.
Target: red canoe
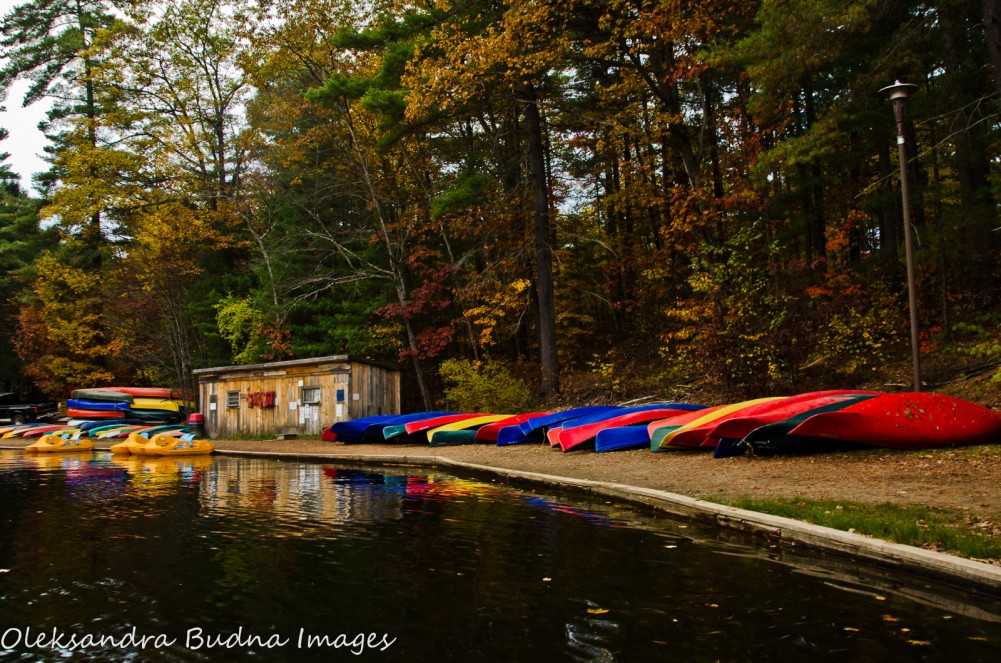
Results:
427 424
693 434
680 419
76 413
489 432
572 438
909 420
144 392
736 428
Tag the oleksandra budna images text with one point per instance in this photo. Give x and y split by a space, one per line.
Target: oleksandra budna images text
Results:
195 639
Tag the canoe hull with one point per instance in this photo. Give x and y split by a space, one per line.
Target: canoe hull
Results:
906 421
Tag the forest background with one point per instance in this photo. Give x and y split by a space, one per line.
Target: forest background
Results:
520 202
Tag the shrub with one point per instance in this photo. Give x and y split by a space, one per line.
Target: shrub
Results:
483 386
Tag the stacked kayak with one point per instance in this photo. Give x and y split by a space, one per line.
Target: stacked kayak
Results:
150 404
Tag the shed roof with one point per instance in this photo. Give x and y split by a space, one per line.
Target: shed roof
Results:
296 362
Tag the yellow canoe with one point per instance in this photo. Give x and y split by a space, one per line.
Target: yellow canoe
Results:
465 424
165 404
663 441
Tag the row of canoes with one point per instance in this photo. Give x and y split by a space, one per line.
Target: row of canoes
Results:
810 422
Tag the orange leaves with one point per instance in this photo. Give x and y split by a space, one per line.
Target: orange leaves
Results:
498 311
62 337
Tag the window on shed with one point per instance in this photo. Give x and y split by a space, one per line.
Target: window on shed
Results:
310 395
232 399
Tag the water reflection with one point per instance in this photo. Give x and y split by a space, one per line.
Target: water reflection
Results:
450 566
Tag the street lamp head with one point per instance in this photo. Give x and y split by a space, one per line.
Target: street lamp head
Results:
898 91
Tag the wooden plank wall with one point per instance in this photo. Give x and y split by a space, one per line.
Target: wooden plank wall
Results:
289 414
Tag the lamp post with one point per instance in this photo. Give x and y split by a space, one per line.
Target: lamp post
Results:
897 94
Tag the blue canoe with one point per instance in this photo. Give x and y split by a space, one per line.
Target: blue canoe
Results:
369 429
533 430
633 436
88 404
373 432
353 430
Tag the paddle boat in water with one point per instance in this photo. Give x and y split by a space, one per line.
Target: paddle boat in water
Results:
134 444
165 444
54 443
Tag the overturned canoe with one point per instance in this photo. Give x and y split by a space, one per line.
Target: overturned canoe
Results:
692 434
534 429
576 435
737 427
143 392
354 429
465 426
94 404
489 432
415 431
774 438
101 395
910 420
374 432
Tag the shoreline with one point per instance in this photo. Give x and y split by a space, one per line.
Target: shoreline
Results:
679 483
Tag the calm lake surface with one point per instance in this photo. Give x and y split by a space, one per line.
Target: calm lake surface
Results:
230 558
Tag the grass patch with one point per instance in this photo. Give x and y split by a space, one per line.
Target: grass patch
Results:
933 529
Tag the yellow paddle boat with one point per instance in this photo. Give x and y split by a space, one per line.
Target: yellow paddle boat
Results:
165 444
134 444
52 442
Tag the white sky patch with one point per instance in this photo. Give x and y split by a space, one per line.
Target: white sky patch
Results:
25 141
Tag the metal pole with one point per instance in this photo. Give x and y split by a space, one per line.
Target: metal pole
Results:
898 95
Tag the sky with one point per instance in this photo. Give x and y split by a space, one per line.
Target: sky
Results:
25 141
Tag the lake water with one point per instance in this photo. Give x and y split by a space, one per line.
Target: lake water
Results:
229 558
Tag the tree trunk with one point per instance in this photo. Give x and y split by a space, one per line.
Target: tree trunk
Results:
548 361
992 30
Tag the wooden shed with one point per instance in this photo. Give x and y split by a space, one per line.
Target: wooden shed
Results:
297 397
